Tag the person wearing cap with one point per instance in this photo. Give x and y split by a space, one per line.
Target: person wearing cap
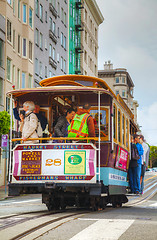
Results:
145 160
82 125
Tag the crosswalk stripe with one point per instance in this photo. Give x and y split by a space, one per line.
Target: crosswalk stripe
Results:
104 229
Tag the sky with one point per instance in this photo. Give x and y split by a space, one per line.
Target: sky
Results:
128 38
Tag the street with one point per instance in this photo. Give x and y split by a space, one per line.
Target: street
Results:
27 218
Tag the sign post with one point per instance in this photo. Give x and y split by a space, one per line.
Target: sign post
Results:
4 144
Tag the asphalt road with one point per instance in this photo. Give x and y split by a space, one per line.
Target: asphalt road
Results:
136 220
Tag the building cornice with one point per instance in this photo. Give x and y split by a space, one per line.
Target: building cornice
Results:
95 11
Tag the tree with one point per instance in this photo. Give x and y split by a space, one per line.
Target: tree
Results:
153 155
4 123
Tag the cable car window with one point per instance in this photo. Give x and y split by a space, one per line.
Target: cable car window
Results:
119 124
103 122
114 122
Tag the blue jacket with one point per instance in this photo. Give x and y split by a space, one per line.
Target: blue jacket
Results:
140 151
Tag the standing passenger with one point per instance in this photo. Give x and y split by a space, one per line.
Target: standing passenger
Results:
30 123
139 163
61 127
82 124
145 159
132 166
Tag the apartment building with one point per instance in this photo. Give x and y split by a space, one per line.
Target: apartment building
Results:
120 81
2 63
51 39
84 20
18 59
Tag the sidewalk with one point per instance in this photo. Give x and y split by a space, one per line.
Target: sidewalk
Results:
3 192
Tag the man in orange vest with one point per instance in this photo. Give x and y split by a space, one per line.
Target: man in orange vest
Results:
82 124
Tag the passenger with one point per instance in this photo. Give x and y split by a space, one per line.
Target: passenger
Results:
145 159
139 163
132 166
82 124
40 116
61 128
30 123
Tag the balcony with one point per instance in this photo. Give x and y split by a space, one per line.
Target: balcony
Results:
53 10
79 26
79 4
52 62
53 36
79 48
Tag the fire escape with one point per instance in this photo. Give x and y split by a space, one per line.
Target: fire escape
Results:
79 27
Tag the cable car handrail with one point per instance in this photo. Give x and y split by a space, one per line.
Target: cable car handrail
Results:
57 138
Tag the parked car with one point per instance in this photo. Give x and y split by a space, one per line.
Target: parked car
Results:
154 169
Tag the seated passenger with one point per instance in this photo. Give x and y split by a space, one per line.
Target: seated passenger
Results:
82 124
61 127
30 123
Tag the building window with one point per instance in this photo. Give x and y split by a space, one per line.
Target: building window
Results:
1 91
14 6
54 27
9 29
13 39
62 15
24 51
71 33
85 56
58 33
41 12
13 74
46 71
37 36
114 122
71 9
9 69
53 53
61 39
57 57
41 40
19 44
61 63
9 1
24 13
64 66
58 9
71 56
18 78
19 5
123 93
23 79
119 126
117 79
30 81
117 92
30 50
45 16
65 19
37 7
85 36
50 50
36 66
64 43
50 74
123 79
30 18
1 53
40 69
45 44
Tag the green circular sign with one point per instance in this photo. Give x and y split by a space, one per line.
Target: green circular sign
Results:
74 159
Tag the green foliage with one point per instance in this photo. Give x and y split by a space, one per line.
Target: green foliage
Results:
4 123
153 155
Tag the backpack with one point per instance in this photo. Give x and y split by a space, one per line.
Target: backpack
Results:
39 129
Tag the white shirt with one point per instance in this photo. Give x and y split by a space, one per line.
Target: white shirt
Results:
145 149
